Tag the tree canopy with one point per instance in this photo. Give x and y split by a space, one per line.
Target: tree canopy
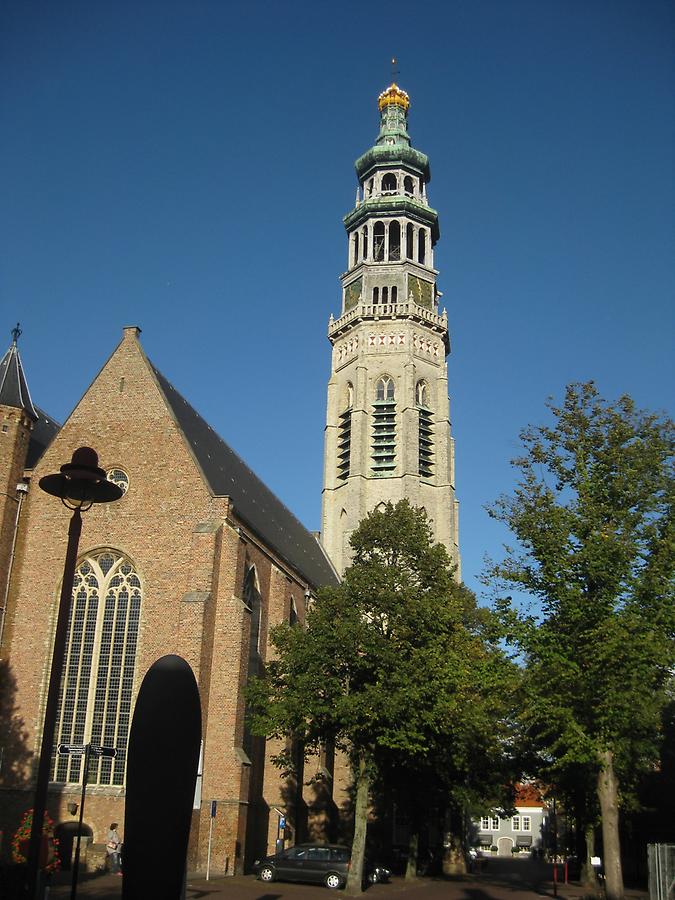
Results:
593 516
395 662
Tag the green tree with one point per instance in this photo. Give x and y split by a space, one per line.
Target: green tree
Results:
593 515
386 665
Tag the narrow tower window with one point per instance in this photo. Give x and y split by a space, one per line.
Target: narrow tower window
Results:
345 435
422 249
409 241
376 295
394 294
378 242
426 438
408 185
95 699
394 241
384 428
389 183
385 295
365 242
356 247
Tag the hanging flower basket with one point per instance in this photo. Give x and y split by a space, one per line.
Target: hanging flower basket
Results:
49 852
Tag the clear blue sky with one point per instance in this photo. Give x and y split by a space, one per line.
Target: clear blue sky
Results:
185 166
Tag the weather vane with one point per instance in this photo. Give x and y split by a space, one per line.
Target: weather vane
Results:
16 333
394 68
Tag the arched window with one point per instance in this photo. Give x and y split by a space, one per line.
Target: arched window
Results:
383 452
422 249
384 389
95 700
422 394
409 241
385 295
389 183
394 240
394 294
350 395
378 242
408 185
376 295
364 241
370 187
356 247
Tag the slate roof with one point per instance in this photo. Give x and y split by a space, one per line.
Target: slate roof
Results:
44 431
13 387
254 503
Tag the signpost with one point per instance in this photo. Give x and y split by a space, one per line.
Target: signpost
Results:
86 750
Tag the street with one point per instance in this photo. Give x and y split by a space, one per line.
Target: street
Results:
503 879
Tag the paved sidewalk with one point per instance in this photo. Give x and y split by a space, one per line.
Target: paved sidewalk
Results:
502 880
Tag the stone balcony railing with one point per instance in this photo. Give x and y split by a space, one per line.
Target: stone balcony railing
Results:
409 310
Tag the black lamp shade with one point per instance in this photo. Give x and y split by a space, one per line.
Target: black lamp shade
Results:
81 481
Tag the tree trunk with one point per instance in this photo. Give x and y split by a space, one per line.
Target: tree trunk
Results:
608 796
413 846
355 877
588 876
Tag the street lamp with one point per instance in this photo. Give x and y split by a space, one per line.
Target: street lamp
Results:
80 484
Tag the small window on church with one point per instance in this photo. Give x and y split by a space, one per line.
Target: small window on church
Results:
120 478
376 295
394 294
385 295
408 185
422 392
364 242
409 242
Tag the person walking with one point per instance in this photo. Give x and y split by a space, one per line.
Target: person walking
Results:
112 848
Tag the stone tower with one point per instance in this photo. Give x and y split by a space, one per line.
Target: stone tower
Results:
388 422
17 416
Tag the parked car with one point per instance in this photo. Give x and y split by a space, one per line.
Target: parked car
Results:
326 864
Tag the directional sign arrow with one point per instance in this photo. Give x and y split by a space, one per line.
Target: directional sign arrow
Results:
109 752
71 749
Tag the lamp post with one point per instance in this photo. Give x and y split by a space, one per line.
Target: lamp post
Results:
80 484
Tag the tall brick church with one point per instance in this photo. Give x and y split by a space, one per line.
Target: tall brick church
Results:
199 557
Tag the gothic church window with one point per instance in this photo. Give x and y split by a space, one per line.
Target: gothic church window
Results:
376 295
364 242
95 700
408 187
383 451
409 241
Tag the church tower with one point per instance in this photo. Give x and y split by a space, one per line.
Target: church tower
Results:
388 421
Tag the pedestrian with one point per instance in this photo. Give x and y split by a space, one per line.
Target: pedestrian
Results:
112 848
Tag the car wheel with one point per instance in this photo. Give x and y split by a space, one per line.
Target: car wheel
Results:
266 874
333 881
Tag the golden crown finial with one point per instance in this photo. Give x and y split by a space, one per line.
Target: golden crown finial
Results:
393 96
